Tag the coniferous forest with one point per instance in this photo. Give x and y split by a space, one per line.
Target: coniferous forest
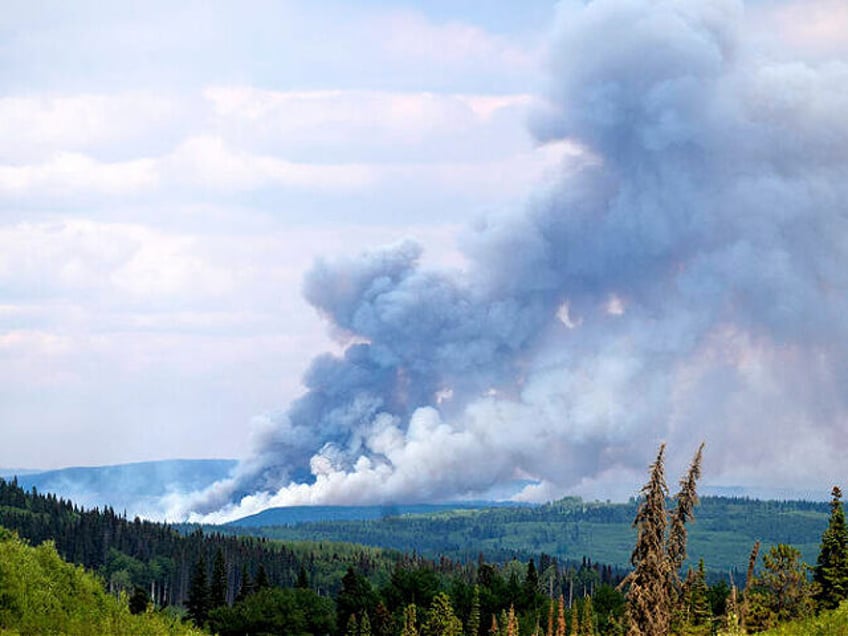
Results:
109 574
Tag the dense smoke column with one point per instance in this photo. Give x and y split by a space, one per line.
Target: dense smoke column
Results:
685 280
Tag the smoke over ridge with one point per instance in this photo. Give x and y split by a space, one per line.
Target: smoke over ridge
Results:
685 279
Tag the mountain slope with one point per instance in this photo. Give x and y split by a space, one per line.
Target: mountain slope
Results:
136 487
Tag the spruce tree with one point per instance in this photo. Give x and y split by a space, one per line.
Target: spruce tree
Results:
654 594
352 628
261 578
441 619
302 579
246 586
365 625
197 603
698 614
648 598
410 622
831 571
218 587
587 618
474 616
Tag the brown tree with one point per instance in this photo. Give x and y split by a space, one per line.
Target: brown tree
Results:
654 586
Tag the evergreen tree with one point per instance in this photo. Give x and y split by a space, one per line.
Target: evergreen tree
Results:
531 586
302 580
139 600
197 603
383 624
550 631
218 587
474 615
560 630
587 618
831 571
648 598
654 594
352 628
441 620
246 585
410 622
262 581
365 625
781 592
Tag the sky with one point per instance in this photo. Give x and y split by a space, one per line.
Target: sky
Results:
511 229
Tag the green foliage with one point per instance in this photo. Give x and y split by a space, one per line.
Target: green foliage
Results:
828 623
290 611
218 584
831 571
40 593
781 592
441 619
198 602
356 597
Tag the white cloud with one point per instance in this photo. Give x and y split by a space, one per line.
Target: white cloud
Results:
70 173
208 162
414 37
33 127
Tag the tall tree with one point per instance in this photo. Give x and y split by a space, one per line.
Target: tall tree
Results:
831 571
218 587
410 622
262 581
560 630
648 598
587 618
474 615
441 619
197 603
654 593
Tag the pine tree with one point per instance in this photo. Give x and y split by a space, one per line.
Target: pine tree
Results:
474 616
218 587
831 571
197 603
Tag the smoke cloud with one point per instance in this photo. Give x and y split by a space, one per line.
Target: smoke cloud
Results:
684 280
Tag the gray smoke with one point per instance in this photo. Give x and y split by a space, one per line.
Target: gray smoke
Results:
684 281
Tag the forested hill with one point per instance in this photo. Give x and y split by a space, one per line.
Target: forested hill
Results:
132 553
722 534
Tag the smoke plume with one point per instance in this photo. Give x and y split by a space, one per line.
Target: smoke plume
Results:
685 280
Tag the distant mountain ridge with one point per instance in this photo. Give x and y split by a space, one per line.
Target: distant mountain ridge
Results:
293 515
136 487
